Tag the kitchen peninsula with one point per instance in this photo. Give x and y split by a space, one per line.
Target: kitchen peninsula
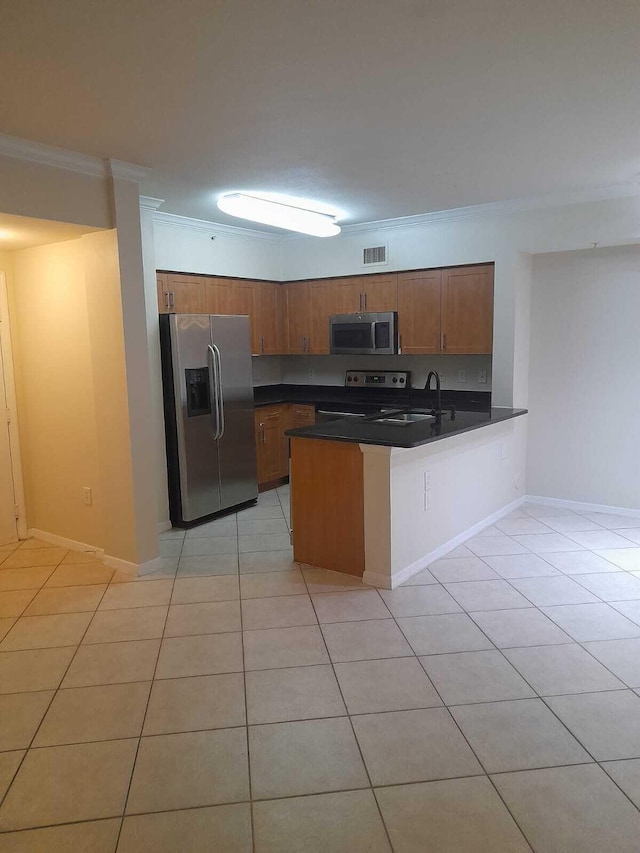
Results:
382 497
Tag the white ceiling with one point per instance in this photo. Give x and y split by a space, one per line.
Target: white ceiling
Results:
23 232
384 109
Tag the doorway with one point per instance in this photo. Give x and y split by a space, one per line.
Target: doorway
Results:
12 521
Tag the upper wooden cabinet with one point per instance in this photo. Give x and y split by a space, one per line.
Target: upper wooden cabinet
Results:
419 311
267 311
467 310
361 293
439 310
181 294
446 311
297 318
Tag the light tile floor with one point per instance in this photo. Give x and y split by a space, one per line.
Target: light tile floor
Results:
235 701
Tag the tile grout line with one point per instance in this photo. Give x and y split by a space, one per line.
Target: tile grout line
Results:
455 723
55 693
144 717
346 707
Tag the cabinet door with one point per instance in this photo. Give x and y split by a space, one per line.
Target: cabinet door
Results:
238 297
467 310
266 318
297 312
347 296
186 294
213 294
302 415
321 300
379 292
419 311
269 423
163 293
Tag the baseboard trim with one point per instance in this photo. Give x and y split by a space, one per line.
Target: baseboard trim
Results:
151 566
119 565
63 542
579 506
163 526
403 575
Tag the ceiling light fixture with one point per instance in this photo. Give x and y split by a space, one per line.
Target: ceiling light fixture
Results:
279 213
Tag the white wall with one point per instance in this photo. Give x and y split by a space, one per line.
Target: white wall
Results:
473 477
184 247
330 370
584 379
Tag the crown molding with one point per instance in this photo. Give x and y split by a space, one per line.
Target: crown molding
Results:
147 202
119 169
625 189
49 155
215 228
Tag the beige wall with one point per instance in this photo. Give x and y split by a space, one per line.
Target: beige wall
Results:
52 356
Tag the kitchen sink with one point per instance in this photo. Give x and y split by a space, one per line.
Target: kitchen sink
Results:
404 418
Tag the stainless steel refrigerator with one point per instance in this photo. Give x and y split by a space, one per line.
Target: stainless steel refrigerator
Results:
208 405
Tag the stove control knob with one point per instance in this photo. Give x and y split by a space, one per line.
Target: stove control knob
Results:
402 380
349 378
355 378
395 379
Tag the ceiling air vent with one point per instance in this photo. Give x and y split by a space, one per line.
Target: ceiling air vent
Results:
374 255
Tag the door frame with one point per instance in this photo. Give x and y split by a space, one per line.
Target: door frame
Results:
10 389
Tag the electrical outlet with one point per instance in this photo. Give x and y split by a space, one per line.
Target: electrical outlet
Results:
426 505
427 480
441 375
310 373
482 376
503 450
462 376
86 496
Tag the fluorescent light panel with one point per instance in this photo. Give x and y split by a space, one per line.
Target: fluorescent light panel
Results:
280 214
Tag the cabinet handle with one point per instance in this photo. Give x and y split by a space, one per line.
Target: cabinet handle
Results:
360 302
166 300
172 303
262 345
262 433
365 301
399 344
443 340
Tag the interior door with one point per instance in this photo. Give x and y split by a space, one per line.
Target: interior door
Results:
8 525
236 445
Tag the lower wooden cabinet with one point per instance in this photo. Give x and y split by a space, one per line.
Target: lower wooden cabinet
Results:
272 445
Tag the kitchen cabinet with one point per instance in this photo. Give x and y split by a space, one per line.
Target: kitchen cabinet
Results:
365 293
271 450
307 310
446 311
301 415
182 294
266 313
467 310
419 295
297 311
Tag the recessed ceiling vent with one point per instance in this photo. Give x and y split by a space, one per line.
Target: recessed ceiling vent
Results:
374 255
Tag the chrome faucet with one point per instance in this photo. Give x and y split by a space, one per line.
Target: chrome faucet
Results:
437 411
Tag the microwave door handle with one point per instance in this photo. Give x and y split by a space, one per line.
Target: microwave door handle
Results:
220 394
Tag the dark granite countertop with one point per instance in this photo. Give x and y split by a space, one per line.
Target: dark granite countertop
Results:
336 395
364 431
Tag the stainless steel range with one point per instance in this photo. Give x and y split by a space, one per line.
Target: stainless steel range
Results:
370 392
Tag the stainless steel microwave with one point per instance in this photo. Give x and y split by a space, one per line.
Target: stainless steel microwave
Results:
364 334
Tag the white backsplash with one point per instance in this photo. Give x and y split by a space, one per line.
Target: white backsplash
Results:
330 369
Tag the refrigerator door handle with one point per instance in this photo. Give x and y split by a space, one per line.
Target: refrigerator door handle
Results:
213 390
219 396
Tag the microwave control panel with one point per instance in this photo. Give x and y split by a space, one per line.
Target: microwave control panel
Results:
378 379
